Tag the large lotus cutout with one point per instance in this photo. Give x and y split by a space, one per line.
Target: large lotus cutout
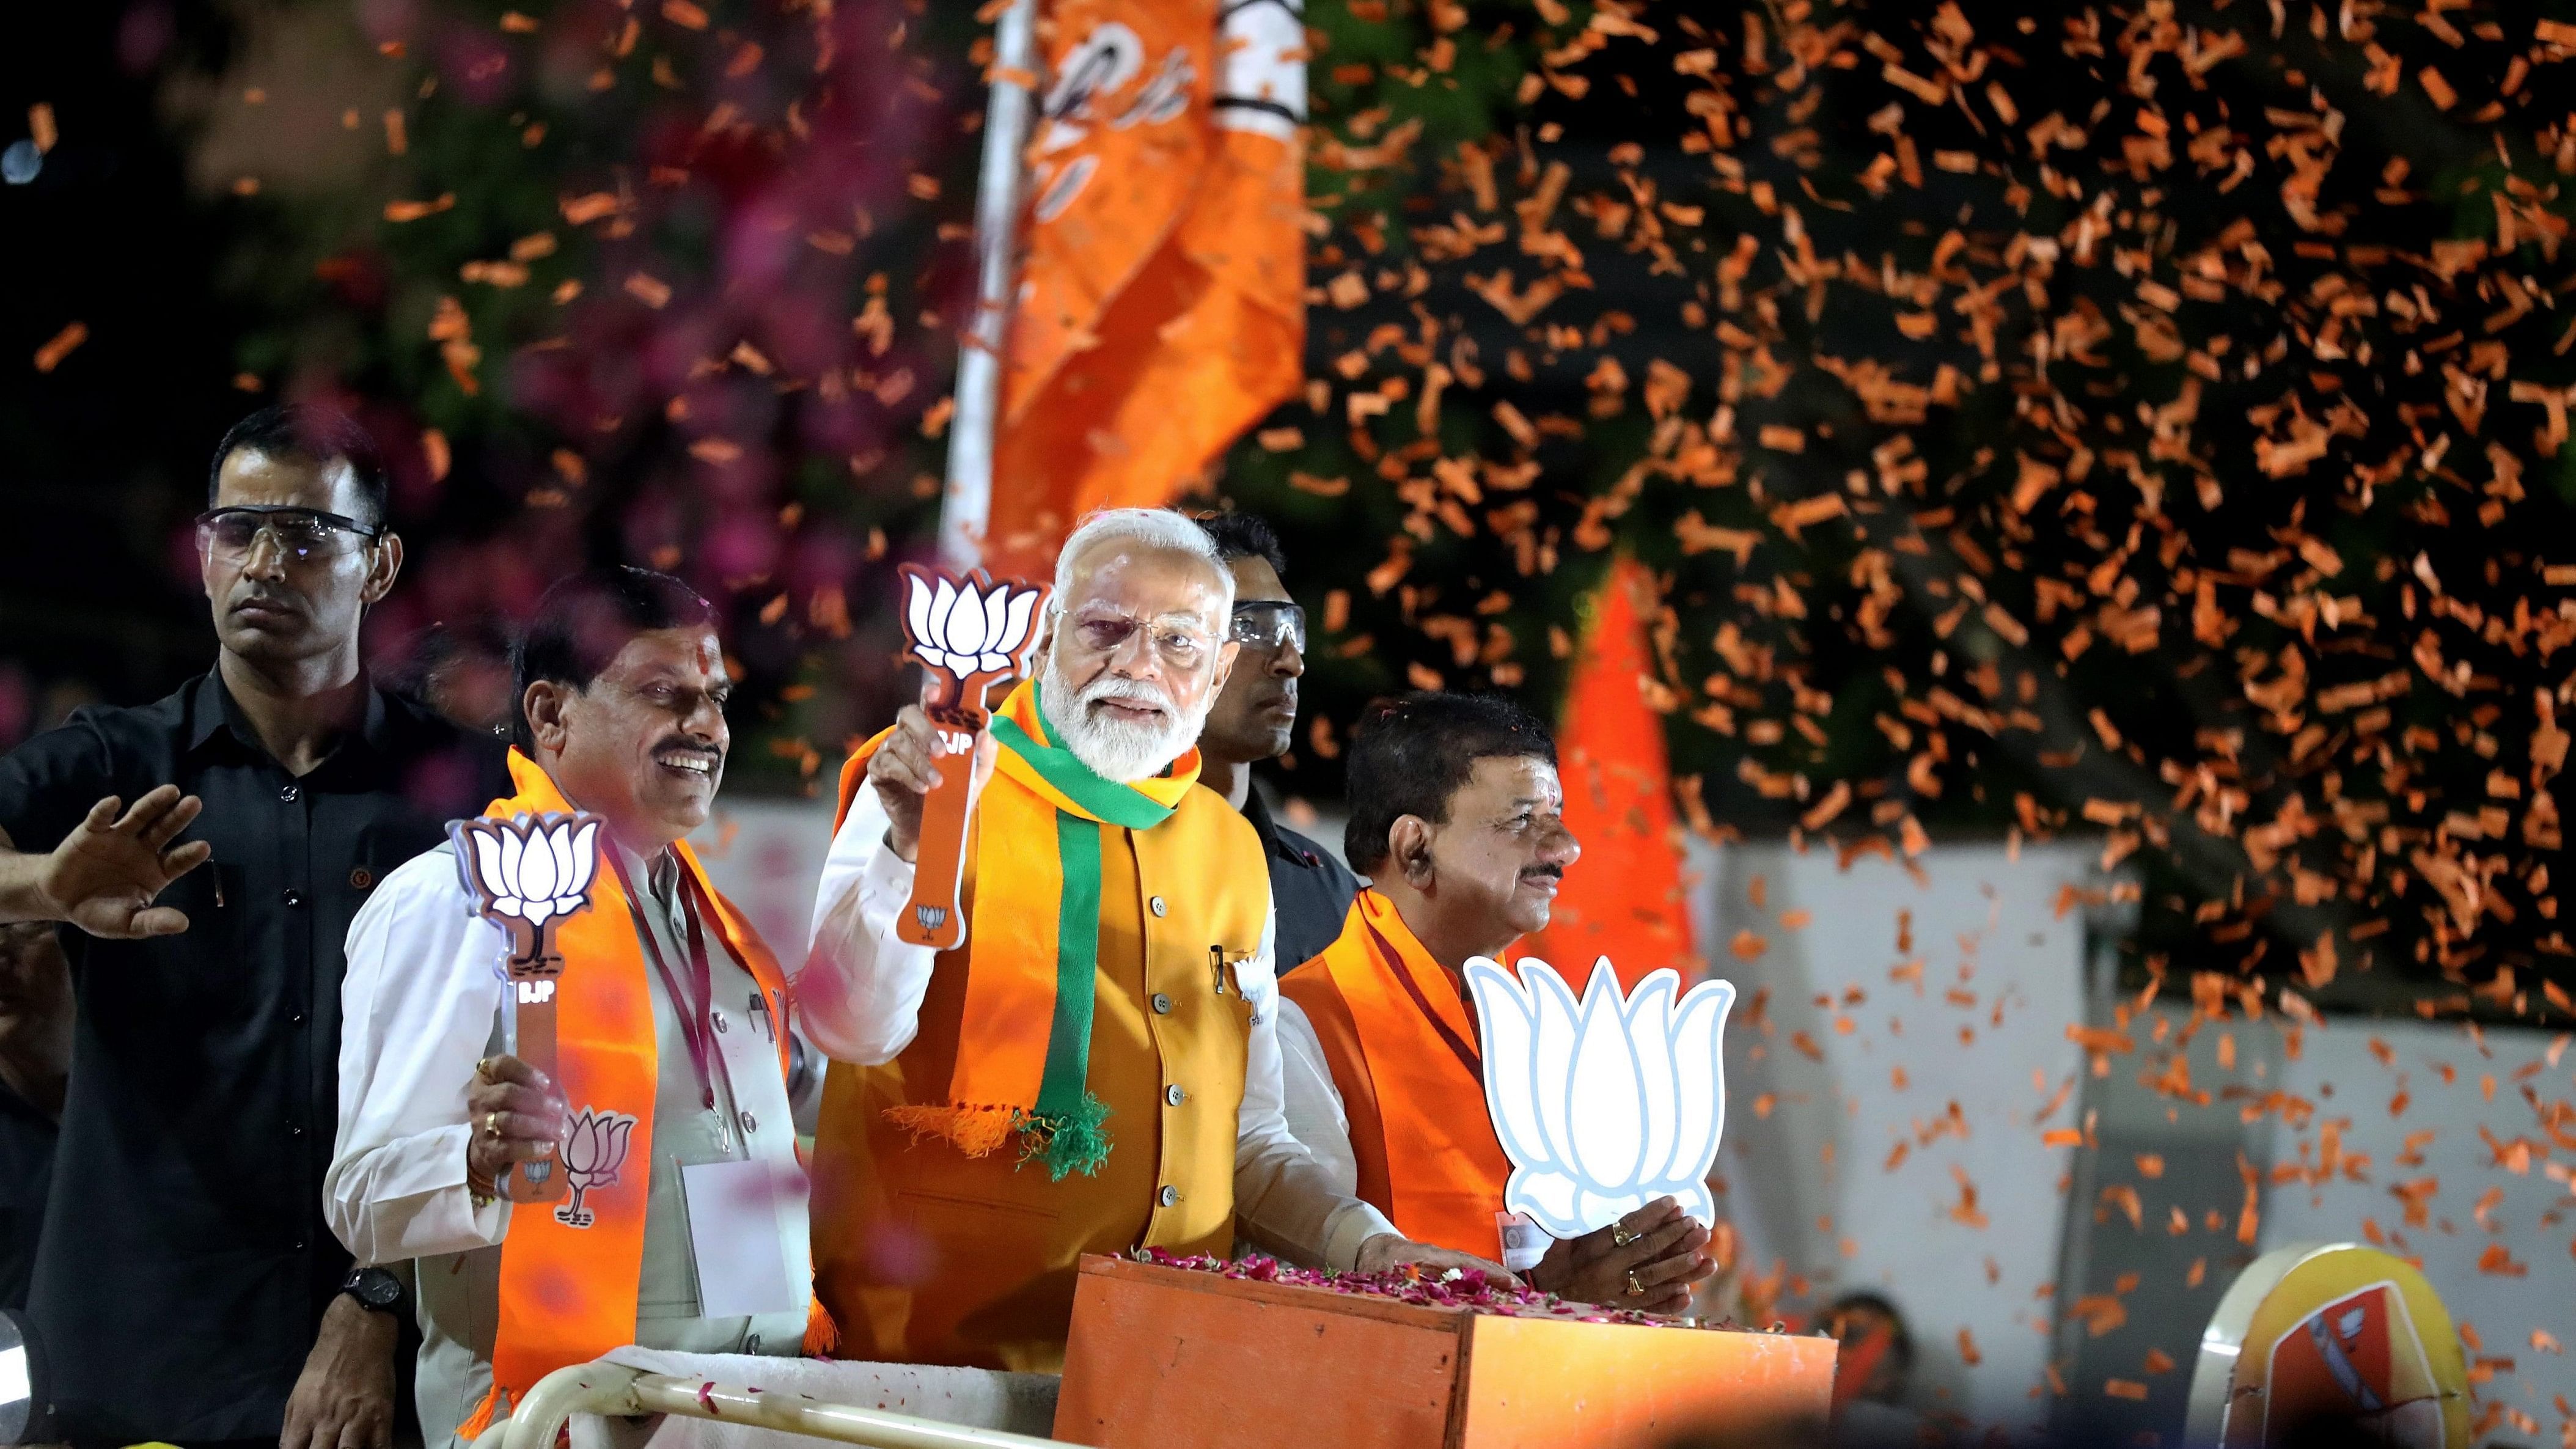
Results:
1606 1103
528 873
967 626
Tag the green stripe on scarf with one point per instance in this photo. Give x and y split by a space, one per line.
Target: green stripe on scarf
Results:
1102 799
1068 1133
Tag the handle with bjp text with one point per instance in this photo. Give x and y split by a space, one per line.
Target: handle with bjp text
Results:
532 1027
969 631
932 918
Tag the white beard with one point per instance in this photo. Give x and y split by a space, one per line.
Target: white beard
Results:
1115 749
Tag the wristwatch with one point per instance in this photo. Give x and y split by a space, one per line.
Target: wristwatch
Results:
376 1290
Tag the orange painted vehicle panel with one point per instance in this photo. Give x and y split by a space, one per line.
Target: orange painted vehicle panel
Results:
1172 1359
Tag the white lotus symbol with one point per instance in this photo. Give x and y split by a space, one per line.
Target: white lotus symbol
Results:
594 1152
1606 1104
528 872
967 630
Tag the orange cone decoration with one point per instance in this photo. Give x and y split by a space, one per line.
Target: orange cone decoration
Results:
1161 308
1624 899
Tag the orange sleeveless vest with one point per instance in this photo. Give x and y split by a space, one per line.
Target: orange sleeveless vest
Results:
1402 1045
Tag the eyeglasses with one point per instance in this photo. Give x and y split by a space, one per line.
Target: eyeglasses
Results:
1269 624
299 533
1176 647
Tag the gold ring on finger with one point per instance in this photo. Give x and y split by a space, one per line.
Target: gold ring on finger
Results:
492 1125
1621 1236
1635 1288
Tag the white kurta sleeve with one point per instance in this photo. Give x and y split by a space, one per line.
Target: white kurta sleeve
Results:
417 1007
858 995
1289 1203
1316 1116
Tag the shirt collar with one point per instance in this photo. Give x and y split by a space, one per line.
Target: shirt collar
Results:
1274 841
660 873
212 711
1257 810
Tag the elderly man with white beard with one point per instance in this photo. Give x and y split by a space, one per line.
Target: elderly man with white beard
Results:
1096 1068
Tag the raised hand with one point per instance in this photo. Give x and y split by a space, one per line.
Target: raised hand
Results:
105 874
1657 1248
903 772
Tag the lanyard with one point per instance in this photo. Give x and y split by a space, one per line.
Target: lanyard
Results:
1466 1054
694 1009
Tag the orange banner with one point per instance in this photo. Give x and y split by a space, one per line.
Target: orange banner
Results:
1625 898
1161 306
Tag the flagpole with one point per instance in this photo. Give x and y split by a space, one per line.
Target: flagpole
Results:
966 504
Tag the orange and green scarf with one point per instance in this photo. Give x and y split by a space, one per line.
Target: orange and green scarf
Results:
1032 948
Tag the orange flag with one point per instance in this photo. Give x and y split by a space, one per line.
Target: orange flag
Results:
1624 899
1161 308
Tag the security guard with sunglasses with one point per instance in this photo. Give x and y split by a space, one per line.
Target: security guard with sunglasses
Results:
203 857
1255 719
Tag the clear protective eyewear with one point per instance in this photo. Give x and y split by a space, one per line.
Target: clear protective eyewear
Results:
1269 624
299 533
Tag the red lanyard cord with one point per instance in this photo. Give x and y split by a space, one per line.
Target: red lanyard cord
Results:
694 1009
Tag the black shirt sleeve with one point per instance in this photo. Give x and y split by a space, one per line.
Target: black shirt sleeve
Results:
51 781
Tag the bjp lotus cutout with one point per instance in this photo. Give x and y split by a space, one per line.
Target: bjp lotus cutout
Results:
968 633
962 632
528 875
1604 1104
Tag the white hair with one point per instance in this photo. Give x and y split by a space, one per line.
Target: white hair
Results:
1156 528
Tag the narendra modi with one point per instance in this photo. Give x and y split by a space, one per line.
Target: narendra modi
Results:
1096 1067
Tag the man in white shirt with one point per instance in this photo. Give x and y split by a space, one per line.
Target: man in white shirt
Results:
1104 1073
686 1229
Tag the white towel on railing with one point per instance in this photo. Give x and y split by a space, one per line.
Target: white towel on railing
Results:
980 1398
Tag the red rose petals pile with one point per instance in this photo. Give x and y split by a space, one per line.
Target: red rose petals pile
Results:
1476 1292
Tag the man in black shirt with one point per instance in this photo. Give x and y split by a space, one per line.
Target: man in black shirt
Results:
210 851
35 1056
1255 719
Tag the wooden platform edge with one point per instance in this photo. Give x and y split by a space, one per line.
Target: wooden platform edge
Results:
1291 1295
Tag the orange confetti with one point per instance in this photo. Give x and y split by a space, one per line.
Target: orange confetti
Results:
582 210
401 211
51 355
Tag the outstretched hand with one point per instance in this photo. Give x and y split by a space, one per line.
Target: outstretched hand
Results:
104 876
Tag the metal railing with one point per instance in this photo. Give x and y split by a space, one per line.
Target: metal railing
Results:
608 1388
